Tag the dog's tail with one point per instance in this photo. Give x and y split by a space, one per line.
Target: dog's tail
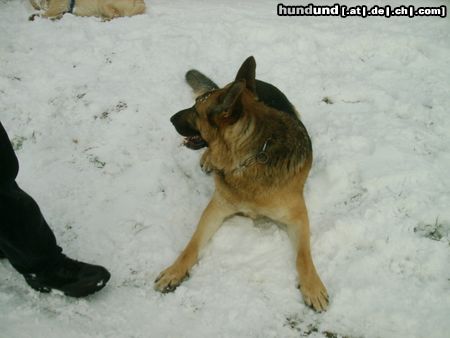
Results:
199 82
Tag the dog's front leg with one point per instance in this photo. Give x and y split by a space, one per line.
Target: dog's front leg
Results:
109 12
51 17
296 218
212 217
52 14
55 10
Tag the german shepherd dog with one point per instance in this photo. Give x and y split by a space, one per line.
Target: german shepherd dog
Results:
260 154
106 9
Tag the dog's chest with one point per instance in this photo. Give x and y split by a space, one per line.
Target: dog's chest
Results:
247 196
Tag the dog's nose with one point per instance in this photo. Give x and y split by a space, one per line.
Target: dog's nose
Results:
173 118
181 117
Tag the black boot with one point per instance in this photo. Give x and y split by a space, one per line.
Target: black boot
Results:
2 255
75 279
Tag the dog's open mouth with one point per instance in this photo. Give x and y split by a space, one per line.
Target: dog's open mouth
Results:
194 142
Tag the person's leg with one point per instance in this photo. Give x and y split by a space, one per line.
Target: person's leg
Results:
25 238
29 243
9 166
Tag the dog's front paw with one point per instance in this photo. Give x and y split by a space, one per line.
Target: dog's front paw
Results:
315 294
205 163
206 167
170 278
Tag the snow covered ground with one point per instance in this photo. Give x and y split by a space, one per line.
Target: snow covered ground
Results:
87 105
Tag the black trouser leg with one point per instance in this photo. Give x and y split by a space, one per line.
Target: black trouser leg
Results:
25 237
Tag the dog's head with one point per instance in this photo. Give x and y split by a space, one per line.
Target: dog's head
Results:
216 110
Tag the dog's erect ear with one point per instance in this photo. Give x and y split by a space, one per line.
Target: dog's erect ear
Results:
247 73
229 109
232 94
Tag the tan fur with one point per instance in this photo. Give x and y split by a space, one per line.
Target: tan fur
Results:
105 9
272 188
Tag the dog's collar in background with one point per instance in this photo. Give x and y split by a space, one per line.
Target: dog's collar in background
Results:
71 6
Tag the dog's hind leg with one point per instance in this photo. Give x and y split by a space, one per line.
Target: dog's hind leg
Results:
212 217
199 82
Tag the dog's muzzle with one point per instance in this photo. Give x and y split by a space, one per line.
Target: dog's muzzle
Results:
182 121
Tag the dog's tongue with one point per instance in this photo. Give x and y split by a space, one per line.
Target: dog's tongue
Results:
194 142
